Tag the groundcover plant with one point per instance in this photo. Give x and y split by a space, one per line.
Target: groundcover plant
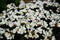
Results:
36 20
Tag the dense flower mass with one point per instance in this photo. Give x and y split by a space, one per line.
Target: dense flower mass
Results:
33 20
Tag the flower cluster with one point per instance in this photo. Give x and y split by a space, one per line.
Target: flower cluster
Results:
30 19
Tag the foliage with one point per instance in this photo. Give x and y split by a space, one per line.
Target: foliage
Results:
3 4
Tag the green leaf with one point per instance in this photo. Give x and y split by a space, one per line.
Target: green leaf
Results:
17 2
3 5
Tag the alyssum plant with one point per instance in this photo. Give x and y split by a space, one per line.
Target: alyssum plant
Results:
31 20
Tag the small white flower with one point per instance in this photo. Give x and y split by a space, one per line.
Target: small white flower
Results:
8 35
10 24
2 31
53 38
26 36
39 30
17 23
3 21
45 24
32 24
14 30
58 24
30 35
22 30
36 35
10 6
52 23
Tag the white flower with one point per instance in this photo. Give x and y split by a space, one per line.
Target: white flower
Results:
2 31
3 21
53 38
52 23
9 36
21 30
17 23
41 15
57 10
24 10
45 24
26 36
36 35
10 24
11 6
4 11
30 35
28 26
14 30
39 30
16 11
33 24
58 24
36 14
